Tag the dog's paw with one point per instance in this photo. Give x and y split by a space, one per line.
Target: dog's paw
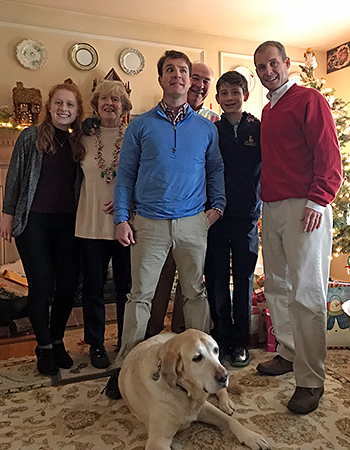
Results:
256 442
227 406
225 403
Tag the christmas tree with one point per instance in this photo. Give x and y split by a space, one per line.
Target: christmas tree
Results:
341 204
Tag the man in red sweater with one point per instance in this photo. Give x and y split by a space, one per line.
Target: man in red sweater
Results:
301 174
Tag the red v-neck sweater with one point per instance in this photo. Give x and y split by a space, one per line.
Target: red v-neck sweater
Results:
300 151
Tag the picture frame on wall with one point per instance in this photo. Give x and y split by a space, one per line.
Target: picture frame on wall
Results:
338 58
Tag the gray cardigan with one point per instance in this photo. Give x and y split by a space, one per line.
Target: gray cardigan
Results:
23 177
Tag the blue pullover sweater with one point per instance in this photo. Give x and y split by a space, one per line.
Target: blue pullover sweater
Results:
167 171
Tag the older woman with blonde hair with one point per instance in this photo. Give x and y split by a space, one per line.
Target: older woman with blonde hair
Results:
94 225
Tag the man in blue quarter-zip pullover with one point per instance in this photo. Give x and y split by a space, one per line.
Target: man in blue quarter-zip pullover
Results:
170 162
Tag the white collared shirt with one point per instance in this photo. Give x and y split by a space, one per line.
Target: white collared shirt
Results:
274 96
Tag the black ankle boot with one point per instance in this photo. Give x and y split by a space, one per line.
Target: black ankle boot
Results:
62 357
46 361
112 388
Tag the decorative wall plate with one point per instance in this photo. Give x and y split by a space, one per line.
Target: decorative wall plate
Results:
31 54
295 76
83 56
132 61
249 75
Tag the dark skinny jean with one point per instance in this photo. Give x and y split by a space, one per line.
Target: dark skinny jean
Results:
50 257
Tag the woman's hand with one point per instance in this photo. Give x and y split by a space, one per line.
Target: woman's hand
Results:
6 227
108 208
124 234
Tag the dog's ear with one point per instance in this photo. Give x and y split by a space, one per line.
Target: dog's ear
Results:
194 391
170 357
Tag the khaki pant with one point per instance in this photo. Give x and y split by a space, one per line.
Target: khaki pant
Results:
188 238
296 267
161 299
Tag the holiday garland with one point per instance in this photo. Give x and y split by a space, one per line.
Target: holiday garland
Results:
109 171
8 121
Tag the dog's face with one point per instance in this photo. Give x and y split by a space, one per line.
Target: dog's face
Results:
192 358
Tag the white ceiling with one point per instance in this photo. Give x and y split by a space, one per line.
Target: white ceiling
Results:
319 24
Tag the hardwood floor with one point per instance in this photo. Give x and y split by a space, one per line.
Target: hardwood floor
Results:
19 346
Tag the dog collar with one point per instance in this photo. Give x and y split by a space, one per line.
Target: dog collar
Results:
156 376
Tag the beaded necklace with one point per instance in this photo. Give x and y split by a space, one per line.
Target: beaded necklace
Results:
109 172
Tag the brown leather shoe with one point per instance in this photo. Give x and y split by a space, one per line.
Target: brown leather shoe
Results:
276 366
305 400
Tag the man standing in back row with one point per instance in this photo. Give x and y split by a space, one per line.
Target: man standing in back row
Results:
170 162
301 174
201 81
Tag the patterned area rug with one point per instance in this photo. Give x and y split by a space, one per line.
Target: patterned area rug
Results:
78 417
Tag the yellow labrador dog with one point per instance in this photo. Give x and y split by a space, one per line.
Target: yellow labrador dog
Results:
166 380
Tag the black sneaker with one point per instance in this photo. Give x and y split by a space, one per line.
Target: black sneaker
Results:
62 357
240 357
99 357
112 388
46 361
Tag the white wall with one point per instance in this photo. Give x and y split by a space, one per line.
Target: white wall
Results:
59 30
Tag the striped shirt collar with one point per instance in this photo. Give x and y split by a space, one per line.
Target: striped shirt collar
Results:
170 113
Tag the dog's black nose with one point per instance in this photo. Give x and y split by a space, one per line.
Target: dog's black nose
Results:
221 379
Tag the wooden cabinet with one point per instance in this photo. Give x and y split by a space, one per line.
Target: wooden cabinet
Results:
8 252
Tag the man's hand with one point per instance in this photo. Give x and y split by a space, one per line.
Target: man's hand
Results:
312 220
108 208
6 227
124 234
212 215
